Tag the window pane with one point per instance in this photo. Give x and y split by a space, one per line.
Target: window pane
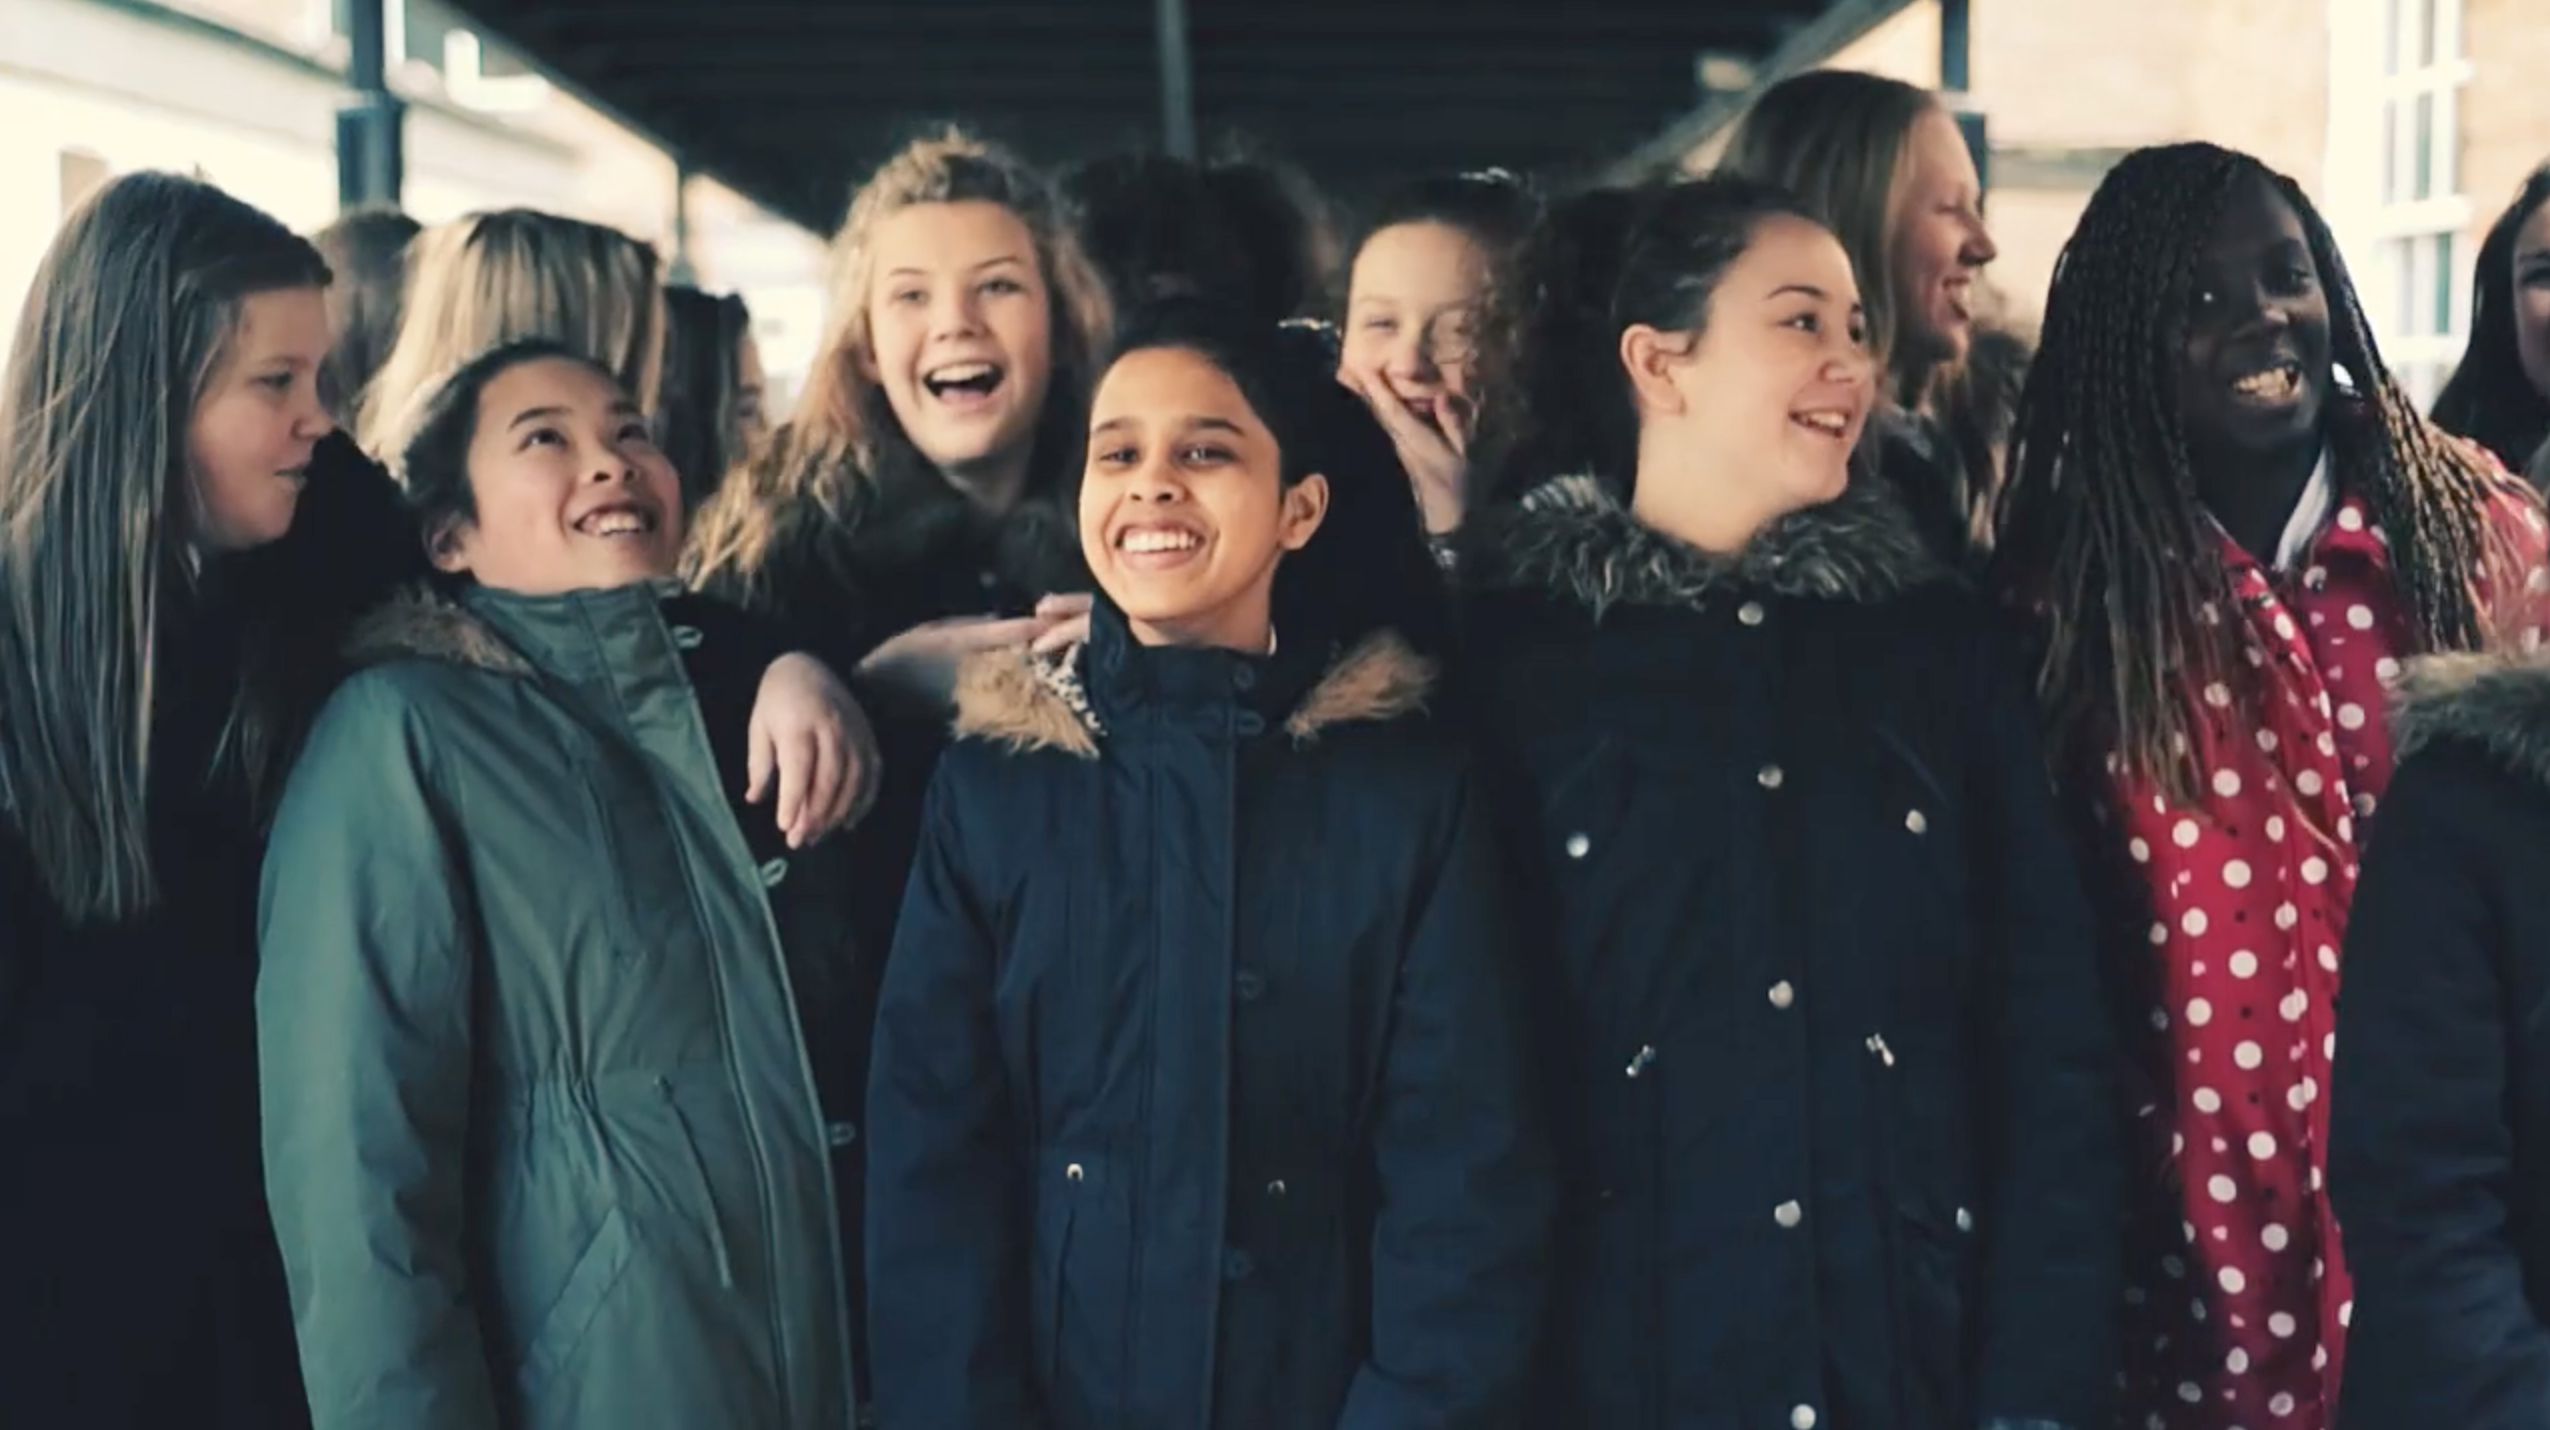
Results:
2391 20
2447 142
2424 155
2425 33
2390 151
2445 266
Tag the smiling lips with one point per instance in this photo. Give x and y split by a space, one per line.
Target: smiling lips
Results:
1157 546
964 384
619 519
2279 383
1834 422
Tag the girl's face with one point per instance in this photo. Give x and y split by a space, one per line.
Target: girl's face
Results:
2532 299
960 331
2256 371
571 493
249 441
1184 514
1940 242
1412 313
1759 416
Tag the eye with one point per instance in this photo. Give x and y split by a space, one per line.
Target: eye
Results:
543 437
276 381
1204 454
636 430
1809 321
1380 325
908 297
1004 286
1114 457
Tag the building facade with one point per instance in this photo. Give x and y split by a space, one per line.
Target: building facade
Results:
2410 122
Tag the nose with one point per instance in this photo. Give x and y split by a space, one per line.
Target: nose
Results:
313 421
1156 483
955 314
1978 249
1849 362
1411 358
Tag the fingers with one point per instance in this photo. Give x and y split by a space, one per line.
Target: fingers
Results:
1064 605
1457 417
998 634
760 756
1062 635
798 760
827 793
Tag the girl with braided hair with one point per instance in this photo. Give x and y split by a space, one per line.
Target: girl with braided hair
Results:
2232 527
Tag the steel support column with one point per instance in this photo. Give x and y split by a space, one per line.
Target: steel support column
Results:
370 167
1177 80
1956 44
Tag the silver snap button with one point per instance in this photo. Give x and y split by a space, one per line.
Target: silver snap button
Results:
1771 777
1788 1214
1782 995
1917 822
1074 1173
1578 846
1751 613
1275 1188
1965 1219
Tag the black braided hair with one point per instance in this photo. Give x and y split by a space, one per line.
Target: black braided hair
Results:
2103 533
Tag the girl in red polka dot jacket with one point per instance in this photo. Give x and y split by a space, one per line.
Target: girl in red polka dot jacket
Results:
2233 527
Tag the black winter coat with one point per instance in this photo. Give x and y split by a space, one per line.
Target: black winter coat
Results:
1823 1036
1197 1102
914 550
139 1281
2439 1141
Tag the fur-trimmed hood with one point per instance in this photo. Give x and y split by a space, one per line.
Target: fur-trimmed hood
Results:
2500 703
1027 702
423 623
1571 538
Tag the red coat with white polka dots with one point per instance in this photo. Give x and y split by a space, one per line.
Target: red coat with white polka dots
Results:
2238 1303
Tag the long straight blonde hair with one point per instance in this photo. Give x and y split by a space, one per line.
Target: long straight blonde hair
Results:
492 278
128 321
815 465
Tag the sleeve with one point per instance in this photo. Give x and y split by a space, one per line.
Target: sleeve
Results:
363 1044
2052 1137
947 1221
1460 1250
2421 1156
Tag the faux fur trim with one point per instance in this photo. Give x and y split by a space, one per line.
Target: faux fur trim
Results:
421 623
1023 702
2499 702
1572 538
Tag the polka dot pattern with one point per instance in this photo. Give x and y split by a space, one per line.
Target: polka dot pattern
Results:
2243 888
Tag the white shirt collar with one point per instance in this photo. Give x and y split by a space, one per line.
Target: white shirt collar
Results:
2319 499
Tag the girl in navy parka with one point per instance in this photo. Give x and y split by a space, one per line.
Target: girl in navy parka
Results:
1196 1100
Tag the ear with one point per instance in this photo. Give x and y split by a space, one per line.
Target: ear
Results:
1305 507
447 547
1650 355
863 360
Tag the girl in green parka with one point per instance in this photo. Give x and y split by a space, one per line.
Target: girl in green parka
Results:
545 1039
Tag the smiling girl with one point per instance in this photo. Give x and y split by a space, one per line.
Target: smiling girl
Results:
2499 396
2229 552
915 508
1197 1098
542 1024
1820 1020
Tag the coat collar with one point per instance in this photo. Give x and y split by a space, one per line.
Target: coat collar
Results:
1572 539
500 631
1025 702
2498 702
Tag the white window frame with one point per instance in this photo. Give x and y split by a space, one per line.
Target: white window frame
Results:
2363 154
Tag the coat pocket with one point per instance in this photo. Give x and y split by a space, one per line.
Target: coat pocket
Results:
589 1284
1933 1263
1083 1268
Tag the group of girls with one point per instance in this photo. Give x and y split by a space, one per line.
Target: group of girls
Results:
1819 901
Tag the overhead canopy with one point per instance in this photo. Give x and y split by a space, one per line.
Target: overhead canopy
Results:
793 101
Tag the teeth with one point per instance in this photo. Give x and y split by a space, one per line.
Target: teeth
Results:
617 523
963 372
1146 541
1833 422
2274 382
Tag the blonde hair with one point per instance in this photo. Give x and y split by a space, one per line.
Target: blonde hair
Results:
1838 140
814 468
493 278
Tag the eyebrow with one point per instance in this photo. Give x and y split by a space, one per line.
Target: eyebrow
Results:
910 272
535 414
1809 289
1190 424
